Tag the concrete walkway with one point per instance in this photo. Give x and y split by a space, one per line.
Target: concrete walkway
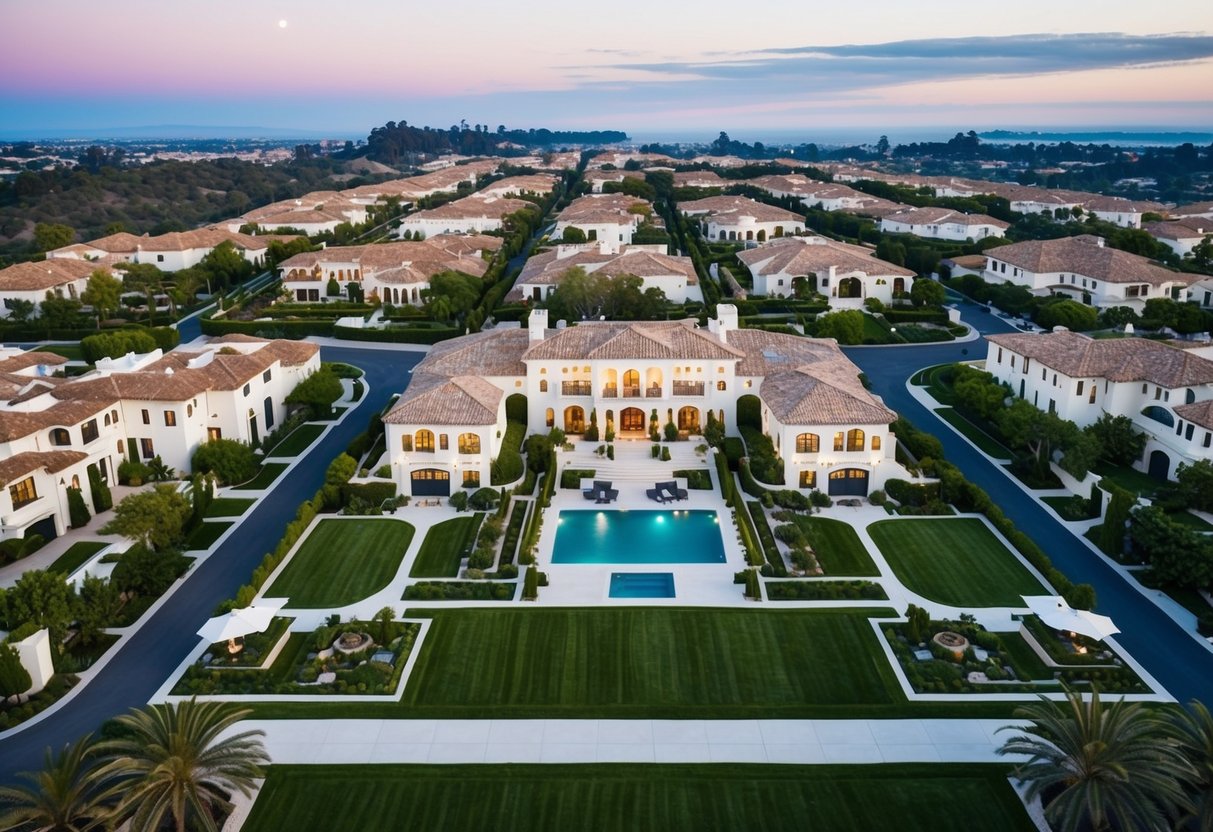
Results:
796 741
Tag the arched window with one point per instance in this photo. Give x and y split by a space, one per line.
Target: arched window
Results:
722 385
808 443
114 416
549 419
543 385
424 441
60 436
189 410
855 439
76 481
107 420
1159 414
469 443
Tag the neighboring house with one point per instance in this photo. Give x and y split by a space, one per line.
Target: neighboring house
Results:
447 426
943 224
846 274
169 252
1166 391
597 179
444 181
1086 270
1028 200
619 158
312 213
701 179
473 214
966 264
393 272
736 218
1203 210
1181 235
31 281
1201 292
1117 210
52 430
826 196
537 184
606 218
675 276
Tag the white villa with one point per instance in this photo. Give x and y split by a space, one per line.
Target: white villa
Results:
473 214
943 224
1181 235
846 274
673 275
449 423
31 281
701 179
1166 391
54 429
1084 269
392 272
737 218
168 252
537 184
606 218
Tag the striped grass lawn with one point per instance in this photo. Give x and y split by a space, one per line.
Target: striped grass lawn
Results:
958 562
343 561
839 550
264 479
76 556
443 547
615 798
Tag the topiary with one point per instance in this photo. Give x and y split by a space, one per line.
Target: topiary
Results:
14 678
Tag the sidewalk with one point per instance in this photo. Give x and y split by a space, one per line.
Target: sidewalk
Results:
794 741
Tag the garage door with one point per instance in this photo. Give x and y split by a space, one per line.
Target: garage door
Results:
431 482
849 482
44 527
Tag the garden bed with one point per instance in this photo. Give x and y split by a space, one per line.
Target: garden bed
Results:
698 479
837 548
825 591
460 591
305 660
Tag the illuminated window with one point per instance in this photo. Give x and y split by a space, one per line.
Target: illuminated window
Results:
23 492
425 441
808 443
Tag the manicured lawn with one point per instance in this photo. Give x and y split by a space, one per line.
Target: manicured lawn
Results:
75 556
229 506
974 434
343 561
205 535
300 439
265 477
1130 479
839 550
957 562
72 352
1187 518
444 546
399 798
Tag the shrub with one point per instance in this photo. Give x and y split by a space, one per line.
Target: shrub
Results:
103 500
373 493
665 453
116 344
484 499
76 509
14 678
655 451
753 588
231 461
820 499
877 498
611 452
671 431
317 392
141 571
132 472
459 501
530 584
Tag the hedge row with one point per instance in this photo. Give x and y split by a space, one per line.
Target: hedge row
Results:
282 329
763 528
397 336
923 316
373 492
825 591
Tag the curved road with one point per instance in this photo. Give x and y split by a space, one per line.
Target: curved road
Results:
134 674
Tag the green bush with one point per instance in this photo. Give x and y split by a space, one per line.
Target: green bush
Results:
484 499
116 344
753 588
764 464
14 678
76 509
231 461
530 584
459 501
825 591
665 453
103 500
374 493
508 465
459 591
133 472
570 478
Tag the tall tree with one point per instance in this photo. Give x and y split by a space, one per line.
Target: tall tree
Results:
1195 726
49 236
103 293
155 518
1117 766
174 766
65 796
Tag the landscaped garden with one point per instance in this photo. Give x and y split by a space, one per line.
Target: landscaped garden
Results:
445 545
958 562
343 561
837 548
355 658
909 798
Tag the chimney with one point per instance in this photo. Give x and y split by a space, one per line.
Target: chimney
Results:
724 322
537 324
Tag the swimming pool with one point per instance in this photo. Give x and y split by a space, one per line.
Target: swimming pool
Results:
638 537
642 585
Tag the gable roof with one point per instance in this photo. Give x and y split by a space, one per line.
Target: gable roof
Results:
19 465
46 274
1086 255
455 400
935 216
815 255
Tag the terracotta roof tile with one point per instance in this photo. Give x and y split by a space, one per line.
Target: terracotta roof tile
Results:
23 464
1116 359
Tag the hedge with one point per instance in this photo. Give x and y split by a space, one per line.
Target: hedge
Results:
759 518
825 591
508 466
459 591
276 329
373 492
727 489
924 316
396 336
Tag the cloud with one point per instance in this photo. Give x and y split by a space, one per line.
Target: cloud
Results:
858 66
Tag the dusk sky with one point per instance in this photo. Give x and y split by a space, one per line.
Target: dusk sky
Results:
663 68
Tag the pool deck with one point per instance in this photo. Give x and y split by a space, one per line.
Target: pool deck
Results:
633 471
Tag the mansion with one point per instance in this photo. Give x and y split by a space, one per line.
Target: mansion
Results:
55 431
447 427
1166 391
846 274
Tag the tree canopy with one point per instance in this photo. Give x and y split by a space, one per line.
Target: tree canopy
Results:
584 297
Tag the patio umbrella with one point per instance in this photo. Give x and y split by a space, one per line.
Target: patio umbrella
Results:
1056 613
238 623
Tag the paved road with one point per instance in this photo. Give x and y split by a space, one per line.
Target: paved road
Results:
147 658
1174 658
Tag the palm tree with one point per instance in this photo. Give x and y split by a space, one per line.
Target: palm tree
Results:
173 763
65 796
1195 727
1117 765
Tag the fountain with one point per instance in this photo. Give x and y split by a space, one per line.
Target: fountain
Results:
352 642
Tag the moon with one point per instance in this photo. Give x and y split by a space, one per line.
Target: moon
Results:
281 24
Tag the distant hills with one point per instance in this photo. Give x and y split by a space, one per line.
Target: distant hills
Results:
174 131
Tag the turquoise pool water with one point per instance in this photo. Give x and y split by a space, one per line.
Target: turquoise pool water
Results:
638 537
642 585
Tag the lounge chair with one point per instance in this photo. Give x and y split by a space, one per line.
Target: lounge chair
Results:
654 494
590 493
671 491
612 494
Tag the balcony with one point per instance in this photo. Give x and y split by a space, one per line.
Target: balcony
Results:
575 388
610 391
654 393
688 388
631 392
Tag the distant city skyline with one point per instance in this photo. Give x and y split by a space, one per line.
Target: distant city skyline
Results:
673 68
